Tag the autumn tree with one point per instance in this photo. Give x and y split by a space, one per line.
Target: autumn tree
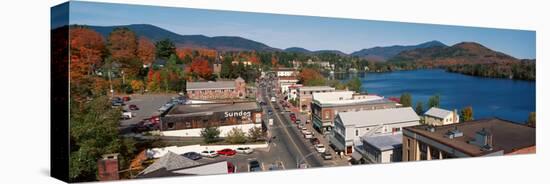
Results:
86 48
123 46
210 134
406 100
200 67
311 77
165 48
146 51
467 114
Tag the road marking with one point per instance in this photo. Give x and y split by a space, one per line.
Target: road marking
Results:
286 131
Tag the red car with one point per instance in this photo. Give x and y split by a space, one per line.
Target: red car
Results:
126 98
227 152
133 107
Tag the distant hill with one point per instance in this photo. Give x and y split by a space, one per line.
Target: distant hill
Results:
461 53
298 50
384 53
222 43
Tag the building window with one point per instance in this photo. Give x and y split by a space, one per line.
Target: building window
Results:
188 124
356 133
170 125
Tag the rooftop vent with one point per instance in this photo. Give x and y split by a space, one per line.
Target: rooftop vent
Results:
483 139
430 129
451 134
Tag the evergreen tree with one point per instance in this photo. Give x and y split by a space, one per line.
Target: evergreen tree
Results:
406 100
419 108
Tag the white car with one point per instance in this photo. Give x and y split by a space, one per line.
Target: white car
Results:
128 115
304 130
308 135
245 150
210 153
320 148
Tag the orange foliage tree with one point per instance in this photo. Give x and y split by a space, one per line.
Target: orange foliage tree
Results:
86 46
123 45
146 50
311 77
201 68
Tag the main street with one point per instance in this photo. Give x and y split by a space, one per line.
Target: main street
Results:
288 141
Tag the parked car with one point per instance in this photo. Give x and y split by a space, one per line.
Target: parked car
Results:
192 155
133 107
298 121
315 141
127 114
275 166
227 152
245 150
308 135
320 148
303 130
231 168
126 98
303 166
117 101
326 156
210 154
270 112
254 166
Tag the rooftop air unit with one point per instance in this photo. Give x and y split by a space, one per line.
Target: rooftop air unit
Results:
451 134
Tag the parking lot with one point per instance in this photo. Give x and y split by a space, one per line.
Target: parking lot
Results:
148 105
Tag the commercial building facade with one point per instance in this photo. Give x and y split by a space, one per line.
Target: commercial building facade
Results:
379 149
485 137
188 120
217 90
350 126
305 95
325 106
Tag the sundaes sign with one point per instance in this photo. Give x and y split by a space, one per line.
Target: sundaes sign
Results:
246 114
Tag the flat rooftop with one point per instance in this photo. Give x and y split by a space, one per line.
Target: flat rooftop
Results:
384 142
378 116
506 135
210 85
210 108
316 88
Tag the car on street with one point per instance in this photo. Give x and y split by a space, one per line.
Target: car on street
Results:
133 107
326 156
315 141
209 153
303 166
244 150
273 99
298 121
227 152
127 114
275 166
320 148
254 166
126 98
270 112
117 101
303 130
192 155
308 135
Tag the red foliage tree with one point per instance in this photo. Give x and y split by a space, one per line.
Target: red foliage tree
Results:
123 46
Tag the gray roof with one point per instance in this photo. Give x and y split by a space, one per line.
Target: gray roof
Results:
170 161
316 88
384 142
437 112
378 116
211 85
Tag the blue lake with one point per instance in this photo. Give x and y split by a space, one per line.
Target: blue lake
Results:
502 98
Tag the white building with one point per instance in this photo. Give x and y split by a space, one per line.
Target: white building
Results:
349 126
437 117
286 72
285 82
379 149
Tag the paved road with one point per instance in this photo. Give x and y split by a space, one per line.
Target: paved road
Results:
289 141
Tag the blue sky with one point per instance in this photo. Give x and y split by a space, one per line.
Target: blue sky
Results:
313 33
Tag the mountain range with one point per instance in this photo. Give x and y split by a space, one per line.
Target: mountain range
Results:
428 51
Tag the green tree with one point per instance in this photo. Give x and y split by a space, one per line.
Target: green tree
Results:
256 134
227 68
532 120
354 84
165 48
419 108
434 101
406 100
94 132
467 114
210 134
236 136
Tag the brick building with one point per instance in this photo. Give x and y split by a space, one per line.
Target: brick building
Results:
217 90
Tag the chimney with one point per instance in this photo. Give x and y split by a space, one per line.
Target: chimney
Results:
455 116
107 167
